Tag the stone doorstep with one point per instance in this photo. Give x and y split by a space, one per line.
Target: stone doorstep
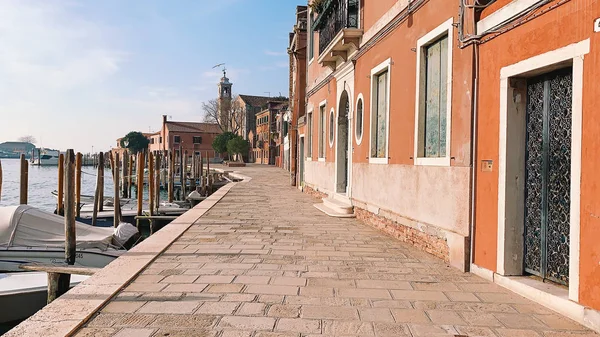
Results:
333 212
548 295
60 327
338 206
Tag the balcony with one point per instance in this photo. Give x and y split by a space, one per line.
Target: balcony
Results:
339 35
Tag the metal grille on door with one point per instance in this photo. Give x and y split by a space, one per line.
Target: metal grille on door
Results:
548 175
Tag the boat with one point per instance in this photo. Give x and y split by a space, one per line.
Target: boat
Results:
30 235
46 157
25 293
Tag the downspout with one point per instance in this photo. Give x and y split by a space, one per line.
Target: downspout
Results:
474 151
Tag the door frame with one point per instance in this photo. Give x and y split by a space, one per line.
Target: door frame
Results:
337 144
301 161
345 81
511 164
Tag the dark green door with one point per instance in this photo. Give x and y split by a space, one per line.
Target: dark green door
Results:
548 173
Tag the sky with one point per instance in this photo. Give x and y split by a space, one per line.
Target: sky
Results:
80 74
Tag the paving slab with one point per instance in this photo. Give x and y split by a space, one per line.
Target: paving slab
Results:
264 262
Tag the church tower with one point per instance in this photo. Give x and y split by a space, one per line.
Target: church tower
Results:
224 102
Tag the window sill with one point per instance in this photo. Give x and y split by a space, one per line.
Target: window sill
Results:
308 158
321 159
378 160
443 161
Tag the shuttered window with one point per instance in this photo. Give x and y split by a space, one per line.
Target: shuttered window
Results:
309 126
322 131
379 118
436 100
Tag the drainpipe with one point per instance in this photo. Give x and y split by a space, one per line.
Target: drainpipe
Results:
474 151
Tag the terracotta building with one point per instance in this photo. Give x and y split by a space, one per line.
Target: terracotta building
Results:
297 53
266 139
248 107
468 129
189 137
389 117
537 182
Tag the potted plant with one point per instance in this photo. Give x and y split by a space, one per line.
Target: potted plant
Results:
317 6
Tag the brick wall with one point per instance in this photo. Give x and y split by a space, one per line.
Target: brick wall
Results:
431 244
311 191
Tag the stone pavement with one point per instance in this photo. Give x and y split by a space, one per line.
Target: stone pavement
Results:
263 262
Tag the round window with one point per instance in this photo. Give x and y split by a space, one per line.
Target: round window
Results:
331 127
359 119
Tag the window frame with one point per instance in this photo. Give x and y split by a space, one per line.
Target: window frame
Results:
446 28
361 99
377 70
175 141
322 131
309 135
197 137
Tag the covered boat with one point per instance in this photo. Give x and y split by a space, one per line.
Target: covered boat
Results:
30 235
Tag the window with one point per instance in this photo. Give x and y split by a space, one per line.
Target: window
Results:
309 126
322 131
197 140
434 76
359 119
380 82
311 37
176 139
152 140
331 127
160 140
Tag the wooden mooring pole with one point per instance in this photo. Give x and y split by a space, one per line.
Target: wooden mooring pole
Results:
117 201
181 174
101 165
78 163
171 175
157 182
58 283
124 186
97 200
140 181
151 182
24 180
61 185
129 175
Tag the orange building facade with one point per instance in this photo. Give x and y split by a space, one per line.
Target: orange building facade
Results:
538 155
468 129
388 123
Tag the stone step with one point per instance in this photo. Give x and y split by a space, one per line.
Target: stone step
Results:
332 212
338 206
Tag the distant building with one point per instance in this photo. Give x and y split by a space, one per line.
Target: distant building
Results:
14 149
266 142
248 107
189 137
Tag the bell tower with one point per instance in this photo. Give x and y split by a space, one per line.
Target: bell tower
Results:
224 102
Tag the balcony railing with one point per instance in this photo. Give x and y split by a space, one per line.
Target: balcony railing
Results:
336 15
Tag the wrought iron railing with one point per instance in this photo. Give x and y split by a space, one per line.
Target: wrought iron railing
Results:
336 15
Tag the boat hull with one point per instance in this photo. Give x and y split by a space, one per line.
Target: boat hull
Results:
11 259
25 294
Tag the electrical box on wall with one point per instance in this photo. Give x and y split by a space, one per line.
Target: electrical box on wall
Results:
487 165
597 25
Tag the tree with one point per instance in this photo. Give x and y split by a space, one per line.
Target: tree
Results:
234 112
28 139
238 146
135 142
220 142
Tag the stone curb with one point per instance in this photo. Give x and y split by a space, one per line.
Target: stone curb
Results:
68 313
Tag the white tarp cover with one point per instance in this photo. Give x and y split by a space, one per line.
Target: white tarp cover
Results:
26 226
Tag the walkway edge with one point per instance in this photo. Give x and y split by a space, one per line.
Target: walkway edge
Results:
67 314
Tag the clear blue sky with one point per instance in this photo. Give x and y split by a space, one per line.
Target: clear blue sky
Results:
81 73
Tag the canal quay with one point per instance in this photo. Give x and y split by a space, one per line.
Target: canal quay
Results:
257 259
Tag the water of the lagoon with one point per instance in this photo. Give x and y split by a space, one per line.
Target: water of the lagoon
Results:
42 181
